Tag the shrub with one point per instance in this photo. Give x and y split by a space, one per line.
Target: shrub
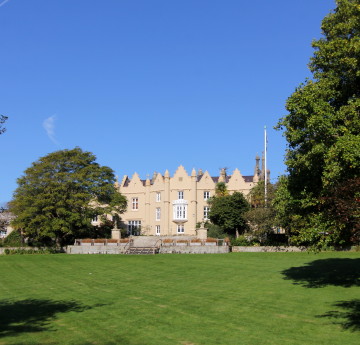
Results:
240 241
216 231
27 250
276 240
13 239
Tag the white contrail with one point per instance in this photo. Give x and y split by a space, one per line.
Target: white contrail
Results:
49 126
4 2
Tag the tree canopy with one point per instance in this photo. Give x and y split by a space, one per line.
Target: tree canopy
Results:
322 130
228 212
261 215
59 194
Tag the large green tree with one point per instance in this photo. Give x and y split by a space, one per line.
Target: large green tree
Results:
228 212
59 194
322 129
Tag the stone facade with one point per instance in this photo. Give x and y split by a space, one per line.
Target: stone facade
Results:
5 218
166 205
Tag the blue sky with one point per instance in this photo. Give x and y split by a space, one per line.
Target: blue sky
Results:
124 79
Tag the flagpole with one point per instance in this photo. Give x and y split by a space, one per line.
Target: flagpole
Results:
265 172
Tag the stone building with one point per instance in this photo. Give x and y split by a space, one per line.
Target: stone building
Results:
165 205
5 218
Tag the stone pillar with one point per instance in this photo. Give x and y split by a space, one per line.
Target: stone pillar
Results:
167 206
115 233
147 207
193 202
201 233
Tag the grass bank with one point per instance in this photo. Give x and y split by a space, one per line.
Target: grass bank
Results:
237 298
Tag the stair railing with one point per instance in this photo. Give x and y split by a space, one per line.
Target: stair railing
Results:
156 246
128 246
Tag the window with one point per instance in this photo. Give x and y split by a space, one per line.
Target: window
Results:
157 230
206 212
158 213
180 211
95 219
180 195
135 203
180 229
134 227
158 197
206 195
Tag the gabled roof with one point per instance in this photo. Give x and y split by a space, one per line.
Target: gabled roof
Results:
181 170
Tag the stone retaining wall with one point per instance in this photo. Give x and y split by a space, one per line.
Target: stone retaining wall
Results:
274 249
95 249
100 249
194 250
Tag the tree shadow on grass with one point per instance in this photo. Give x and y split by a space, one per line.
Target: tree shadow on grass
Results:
320 273
349 318
32 315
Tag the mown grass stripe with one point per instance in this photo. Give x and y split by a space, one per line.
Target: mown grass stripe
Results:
239 298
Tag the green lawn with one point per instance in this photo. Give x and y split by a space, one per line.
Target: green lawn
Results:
237 298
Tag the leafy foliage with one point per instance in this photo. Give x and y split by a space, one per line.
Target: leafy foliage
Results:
3 220
244 241
342 205
323 131
261 216
2 121
228 212
60 193
13 239
103 230
214 231
221 189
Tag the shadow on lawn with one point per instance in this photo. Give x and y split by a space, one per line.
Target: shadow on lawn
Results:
32 315
320 273
351 314
336 272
